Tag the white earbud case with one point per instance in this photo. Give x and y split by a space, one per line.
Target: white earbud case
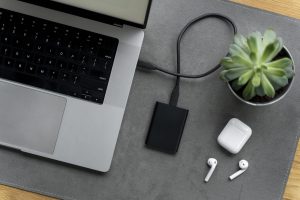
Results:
234 136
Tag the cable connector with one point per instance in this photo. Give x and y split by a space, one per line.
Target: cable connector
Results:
146 65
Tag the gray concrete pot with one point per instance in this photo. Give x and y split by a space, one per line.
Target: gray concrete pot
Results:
285 52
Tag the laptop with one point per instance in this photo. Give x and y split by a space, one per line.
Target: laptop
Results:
66 68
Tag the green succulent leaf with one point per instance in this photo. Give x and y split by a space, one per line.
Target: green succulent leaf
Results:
269 37
267 86
222 75
249 92
241 41
255 42
289 72
277 82
234 73
235 85
281 63
243 79
268 53
279 46
253 57
236 50
271 51
260 91
256 80
276 71
242 61
227 63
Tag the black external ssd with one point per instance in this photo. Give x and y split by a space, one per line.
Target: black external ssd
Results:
166 128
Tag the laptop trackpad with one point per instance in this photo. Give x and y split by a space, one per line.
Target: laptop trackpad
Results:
28 118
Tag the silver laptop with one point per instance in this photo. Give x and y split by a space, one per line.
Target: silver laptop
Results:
65 75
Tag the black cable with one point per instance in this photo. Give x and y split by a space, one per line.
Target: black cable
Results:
149 66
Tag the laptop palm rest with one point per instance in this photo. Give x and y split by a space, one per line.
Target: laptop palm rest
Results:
29 119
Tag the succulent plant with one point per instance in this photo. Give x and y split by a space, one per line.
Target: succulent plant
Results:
250 65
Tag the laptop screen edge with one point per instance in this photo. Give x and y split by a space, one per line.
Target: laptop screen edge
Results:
89 14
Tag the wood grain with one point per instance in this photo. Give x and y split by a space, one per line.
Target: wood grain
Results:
292 190
285 7
289 8
9 193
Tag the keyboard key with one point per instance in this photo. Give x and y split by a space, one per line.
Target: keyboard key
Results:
21 22
11 18
83 59
5 39
9 62
104 53
96 96
69 44
1 15
45 26
25 34
99 75
87 92
39 48
61 53
50 85
18 42
50 62
31 68
39 60
47 40
28 45
86 96
14 31
88 84
61 64
73 67
58 42
17 53
70 90
73 56
97 100
64 76
92 50
83 69
42 71
55 30
5 51
33 24
53 74
50 50
20 66
75 79
29 57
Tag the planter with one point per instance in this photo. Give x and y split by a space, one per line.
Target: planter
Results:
264 101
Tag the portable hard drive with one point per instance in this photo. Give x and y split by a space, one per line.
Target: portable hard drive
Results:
166 128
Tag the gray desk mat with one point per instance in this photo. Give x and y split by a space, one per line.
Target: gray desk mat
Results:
138 173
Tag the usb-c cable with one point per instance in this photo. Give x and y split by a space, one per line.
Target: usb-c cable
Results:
150 66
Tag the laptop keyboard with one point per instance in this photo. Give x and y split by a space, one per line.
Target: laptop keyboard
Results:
55 57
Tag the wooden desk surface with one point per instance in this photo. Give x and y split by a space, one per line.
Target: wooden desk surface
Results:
286 7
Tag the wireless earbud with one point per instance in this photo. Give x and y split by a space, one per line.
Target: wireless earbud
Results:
243 164
212 162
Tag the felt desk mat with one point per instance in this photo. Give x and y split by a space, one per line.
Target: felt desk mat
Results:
139 173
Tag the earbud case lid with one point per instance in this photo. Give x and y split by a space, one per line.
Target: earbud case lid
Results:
234 136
